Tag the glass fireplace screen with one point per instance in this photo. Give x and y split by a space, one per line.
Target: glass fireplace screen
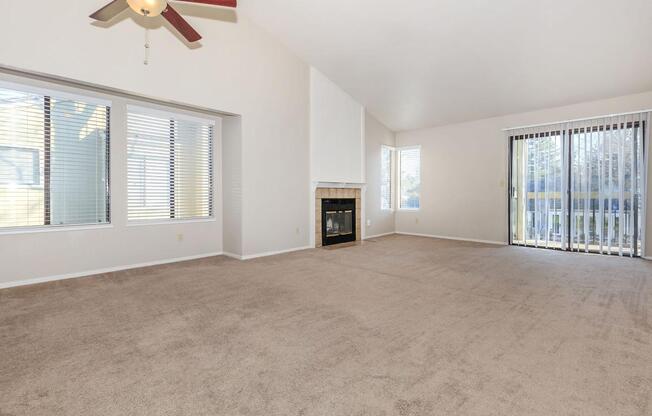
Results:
338 221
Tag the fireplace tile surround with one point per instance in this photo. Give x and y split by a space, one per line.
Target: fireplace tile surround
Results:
337 193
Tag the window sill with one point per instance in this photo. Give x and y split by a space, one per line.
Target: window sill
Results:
143 223
409 209
52 229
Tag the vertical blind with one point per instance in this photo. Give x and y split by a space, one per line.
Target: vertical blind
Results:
580 185
409 177
386 168
54 160
170 166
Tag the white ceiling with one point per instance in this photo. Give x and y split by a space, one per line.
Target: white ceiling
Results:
421 63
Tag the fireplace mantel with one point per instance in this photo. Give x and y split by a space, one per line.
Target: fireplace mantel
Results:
352 185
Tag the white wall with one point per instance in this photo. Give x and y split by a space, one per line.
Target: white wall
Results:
376 135
336 133
238 69
464 170
232 185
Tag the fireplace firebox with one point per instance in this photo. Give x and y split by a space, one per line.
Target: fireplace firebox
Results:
337 221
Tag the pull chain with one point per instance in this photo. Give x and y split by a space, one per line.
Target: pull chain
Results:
146 61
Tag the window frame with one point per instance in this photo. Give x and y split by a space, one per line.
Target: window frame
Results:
392 178
160 111
398 177
61 92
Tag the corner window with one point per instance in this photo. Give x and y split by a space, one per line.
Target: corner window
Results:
386 178
409 178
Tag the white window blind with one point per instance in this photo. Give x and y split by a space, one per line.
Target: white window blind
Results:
386 174
54 159
409 177
170 166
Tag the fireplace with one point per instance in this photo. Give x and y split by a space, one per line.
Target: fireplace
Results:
338 220
339 199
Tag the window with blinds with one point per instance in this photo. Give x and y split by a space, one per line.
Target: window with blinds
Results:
170 166
54 159
386 174
409 178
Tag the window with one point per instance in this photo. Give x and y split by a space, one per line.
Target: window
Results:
20 166
409 160
386 175
170 166
579 186
54 159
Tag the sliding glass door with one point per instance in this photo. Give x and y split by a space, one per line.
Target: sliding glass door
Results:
537 202
579 186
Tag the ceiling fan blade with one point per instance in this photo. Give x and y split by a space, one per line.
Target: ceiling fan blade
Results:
180 24
223 3
110 11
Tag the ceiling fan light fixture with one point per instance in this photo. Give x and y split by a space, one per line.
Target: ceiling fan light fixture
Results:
153 8
149 8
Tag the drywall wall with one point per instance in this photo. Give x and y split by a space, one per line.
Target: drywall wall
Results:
232 185
237 68
464 170
379 221
336 133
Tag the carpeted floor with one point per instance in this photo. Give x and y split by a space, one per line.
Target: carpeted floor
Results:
395 326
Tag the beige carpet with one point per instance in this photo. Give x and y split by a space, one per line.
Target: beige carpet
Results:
396 326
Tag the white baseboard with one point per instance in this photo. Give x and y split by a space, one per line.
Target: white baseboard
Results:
25 282
367 237
647 258
445 237
232 255
273 253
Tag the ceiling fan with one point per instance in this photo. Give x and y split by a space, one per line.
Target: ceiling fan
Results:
153 8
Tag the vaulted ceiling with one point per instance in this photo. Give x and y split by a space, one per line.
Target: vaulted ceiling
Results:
421 63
